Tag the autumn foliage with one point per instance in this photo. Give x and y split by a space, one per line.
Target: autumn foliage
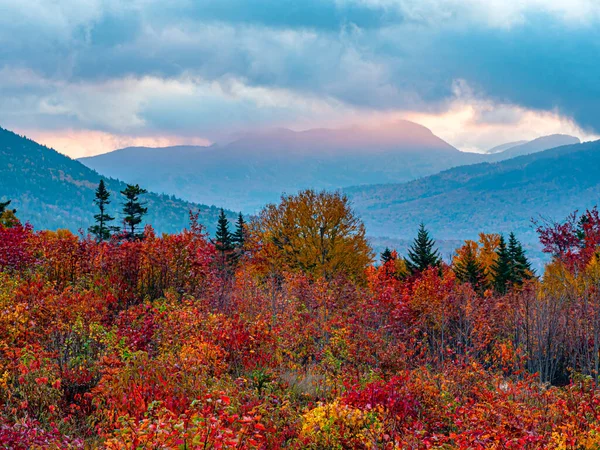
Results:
302 344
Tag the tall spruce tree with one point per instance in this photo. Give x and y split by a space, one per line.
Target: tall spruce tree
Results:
239 237
422 253
102 229
521 267
223 237
469 270
224 244
502 268
133 211
387 256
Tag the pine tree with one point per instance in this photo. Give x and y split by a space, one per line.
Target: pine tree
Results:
223 237
3 206
387 256
502 268
133 211
239 237
469 270
521 268
8 217
224 244
102 230
422 254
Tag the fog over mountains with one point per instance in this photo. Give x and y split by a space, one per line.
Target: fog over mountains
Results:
256 168
395 177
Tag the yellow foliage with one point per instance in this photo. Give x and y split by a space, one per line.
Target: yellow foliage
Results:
337 426
315 233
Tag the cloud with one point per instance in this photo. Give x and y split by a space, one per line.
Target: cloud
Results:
201 68
80 143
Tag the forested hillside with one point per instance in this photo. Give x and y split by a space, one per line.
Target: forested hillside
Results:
503 196
53 191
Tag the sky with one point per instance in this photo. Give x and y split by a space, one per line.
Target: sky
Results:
90 76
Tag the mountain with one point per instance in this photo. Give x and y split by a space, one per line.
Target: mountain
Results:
490 197
256 168
53 191
537 145
502 147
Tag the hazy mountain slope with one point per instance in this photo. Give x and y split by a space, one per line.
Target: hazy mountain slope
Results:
491 197
537 145
503 147
257 168
53 191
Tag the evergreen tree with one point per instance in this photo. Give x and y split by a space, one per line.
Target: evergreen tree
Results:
521 268
3 206
133 211
224 243
422 253
387 256
223 237
8 217
239 237
469 270
102 230
502 267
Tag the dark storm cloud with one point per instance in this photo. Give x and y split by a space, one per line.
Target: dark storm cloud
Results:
375 55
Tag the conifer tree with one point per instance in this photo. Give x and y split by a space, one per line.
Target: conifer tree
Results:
239 237
422 253
102 230
224 244
521 268
3 206
469 270
8 217
502 267
133 211
223 237
387 256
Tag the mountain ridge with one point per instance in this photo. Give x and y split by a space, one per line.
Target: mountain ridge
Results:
493 196
51 190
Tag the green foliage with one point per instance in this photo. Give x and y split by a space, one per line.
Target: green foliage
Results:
511 266
422 253
387 256
3 206
102 230
239 236
469 270
133 211
521 268
223 237
502 268
52 191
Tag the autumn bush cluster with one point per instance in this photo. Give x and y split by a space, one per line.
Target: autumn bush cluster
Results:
162 342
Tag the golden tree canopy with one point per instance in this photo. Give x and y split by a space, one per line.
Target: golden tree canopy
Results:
314 232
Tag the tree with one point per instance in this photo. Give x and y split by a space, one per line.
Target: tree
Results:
502 268
316 233
8 217
422 254
223 237
133 211
387 255
239 237
521 268
467 267
102 230
3 206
